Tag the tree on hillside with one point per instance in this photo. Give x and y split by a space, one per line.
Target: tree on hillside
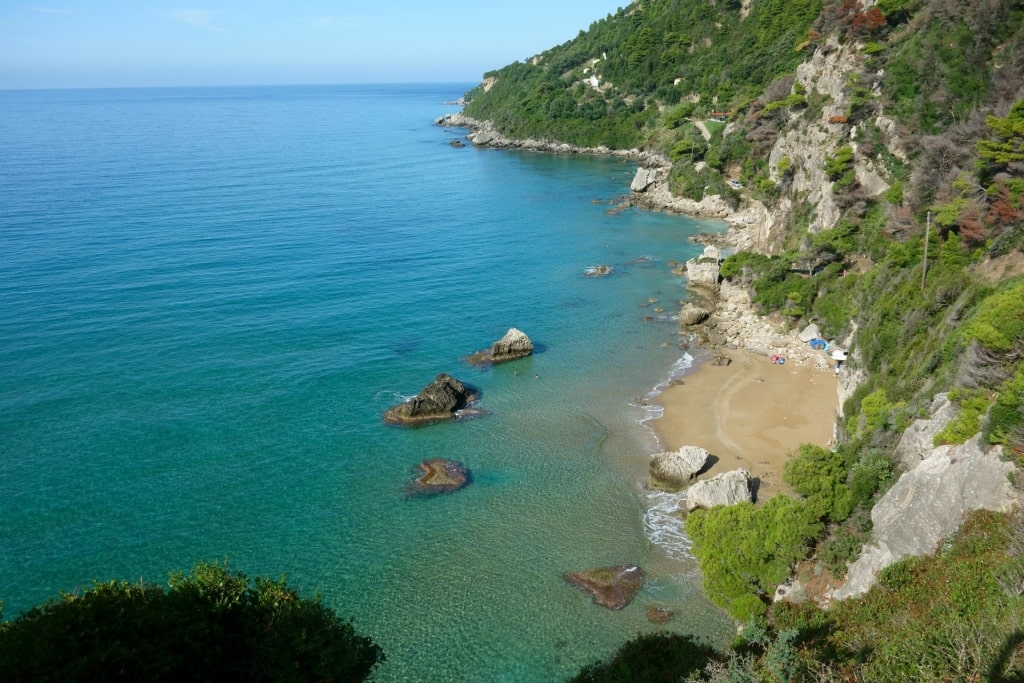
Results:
212 625
1003 152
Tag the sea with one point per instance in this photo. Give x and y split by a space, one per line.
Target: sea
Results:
208 299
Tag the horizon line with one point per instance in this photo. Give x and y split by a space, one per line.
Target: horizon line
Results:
233 85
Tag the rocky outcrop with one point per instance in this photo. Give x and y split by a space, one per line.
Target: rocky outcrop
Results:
927 505
611 587
728 488
513 346
702 272
672 469
438 401
918 440
692 314
644 178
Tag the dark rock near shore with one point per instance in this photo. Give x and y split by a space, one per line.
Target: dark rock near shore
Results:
611 587
439 476
513 346
438 401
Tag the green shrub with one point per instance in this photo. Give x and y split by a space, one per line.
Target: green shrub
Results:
972 405
998 324
840 549
819 475
1005 418
746 552
870 476
654 657
214 624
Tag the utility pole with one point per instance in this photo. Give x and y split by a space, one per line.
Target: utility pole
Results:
924 266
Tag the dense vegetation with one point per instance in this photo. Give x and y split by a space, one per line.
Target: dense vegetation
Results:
924 277
212 625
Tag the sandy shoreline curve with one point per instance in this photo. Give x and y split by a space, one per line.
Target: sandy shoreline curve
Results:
748 414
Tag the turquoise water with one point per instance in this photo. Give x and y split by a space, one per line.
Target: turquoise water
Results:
208 297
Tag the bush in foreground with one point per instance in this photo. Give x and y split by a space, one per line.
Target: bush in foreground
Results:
214 624
651 658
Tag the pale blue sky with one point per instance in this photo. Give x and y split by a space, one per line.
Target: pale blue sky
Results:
115 43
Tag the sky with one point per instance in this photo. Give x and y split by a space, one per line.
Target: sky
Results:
132 43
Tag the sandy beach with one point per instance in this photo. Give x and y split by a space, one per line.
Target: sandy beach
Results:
749 414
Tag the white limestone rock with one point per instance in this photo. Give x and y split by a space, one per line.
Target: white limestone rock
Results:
675 468
927 505
728 488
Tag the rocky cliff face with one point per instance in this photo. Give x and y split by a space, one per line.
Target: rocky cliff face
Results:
931 500
826 74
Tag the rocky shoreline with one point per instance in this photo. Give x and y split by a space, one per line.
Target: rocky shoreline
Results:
732 321
649 189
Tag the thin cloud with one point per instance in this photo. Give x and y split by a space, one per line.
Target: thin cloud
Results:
197 18
52 10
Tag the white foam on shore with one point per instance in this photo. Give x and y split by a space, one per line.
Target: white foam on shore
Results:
664 525
662 521
651 411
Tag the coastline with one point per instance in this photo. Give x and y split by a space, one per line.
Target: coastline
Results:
748 414
649 190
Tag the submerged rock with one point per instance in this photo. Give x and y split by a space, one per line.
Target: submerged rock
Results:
438 401
513 346
728 488
675 468
439 476
611 587
659 615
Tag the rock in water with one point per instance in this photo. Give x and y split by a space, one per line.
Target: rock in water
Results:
438 401
513 346
728 488
439 476
598 271
611 587
675 468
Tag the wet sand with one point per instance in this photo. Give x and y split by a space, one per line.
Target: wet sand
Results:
749 414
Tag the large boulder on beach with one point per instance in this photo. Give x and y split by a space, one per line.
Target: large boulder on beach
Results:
438 476
611 587
438 401
728 488
810 332
674 468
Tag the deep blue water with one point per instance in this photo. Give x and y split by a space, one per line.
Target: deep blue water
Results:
209 296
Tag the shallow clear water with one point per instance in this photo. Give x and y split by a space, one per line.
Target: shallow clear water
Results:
208 297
